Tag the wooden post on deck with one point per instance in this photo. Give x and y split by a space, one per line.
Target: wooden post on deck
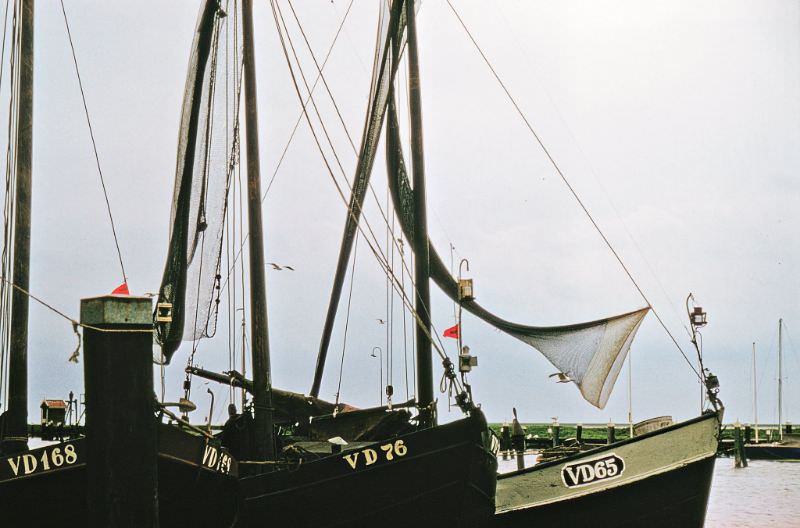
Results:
121 428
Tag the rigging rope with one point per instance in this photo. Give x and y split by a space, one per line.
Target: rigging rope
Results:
8 206
570 187
374 246
291 138
347 321
94 144
75 322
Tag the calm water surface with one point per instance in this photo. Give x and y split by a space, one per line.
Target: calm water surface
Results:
763 494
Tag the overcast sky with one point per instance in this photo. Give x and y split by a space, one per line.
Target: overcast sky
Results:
678 123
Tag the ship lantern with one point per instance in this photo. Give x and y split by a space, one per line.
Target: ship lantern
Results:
465 292
712 382
698 317
164 312
466 361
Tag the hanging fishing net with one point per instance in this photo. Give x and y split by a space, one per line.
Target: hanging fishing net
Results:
207 155
588 354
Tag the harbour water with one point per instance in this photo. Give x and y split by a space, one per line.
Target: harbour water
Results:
766 493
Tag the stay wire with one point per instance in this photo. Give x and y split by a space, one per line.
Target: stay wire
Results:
94 144
571 188
376 251
8 209
302 110
383 213
347 320
291 138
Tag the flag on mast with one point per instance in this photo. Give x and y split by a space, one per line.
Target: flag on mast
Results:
453 332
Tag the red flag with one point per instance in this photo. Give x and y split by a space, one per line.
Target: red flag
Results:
122 289
453 332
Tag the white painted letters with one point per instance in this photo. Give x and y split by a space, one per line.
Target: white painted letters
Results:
583 472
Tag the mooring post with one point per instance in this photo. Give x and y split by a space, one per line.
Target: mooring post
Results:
518 441
556 427
788 428
611 433
505 438
738 446
748 433
121 429
579 433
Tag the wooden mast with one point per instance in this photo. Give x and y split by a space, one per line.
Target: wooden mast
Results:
262 379
15 433
421 254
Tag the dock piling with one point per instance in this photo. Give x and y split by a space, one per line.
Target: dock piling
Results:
121 429
556 427
611 433
738 446
518 441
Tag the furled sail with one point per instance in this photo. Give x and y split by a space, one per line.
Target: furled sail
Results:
589 354
206 156
383 72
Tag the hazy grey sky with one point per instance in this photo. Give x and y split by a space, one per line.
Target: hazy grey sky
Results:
677 122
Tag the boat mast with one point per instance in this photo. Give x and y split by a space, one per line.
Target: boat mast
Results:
780 379
755 392
262 379
421 255
15 434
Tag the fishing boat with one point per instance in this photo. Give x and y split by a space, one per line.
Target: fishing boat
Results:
46 486
661 476
787 445
330 464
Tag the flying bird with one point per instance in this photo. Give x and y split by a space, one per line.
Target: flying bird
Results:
562 378
279 267
380 321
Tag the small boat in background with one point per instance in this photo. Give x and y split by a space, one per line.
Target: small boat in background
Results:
787 447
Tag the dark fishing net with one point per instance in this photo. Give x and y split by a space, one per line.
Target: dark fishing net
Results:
207 155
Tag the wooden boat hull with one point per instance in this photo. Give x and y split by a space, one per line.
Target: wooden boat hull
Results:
443 476
46 487
662 478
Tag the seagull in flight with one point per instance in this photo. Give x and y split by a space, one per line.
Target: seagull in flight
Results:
562 378
279 267
380 321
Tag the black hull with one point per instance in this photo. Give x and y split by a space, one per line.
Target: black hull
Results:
445 478
676 498
772 452
57 498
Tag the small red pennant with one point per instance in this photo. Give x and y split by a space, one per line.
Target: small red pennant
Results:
453 332
122 289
